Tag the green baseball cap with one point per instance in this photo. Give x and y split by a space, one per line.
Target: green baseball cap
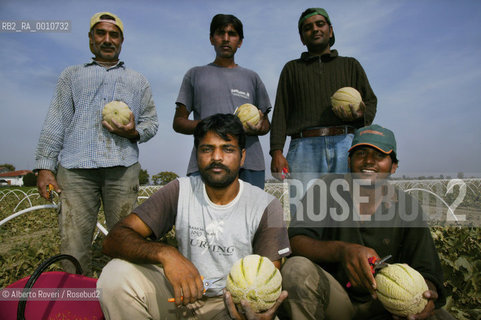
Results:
313 12
375 136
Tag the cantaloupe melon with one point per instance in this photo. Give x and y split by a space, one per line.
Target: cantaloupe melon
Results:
400 289
248 113
256 280
343 97
118 111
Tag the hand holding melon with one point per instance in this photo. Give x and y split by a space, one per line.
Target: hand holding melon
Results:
117 111
256 280
248 113
400 289
343 99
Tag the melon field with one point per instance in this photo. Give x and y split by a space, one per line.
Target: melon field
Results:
28 239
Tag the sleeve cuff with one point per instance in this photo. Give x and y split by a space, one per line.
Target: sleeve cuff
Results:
47 164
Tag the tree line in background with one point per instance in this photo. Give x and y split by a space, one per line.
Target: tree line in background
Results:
159 179
164 177
7 167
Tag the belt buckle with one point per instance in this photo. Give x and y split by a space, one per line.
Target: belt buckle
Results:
345 129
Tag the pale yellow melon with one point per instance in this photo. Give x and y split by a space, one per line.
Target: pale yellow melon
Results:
343 97
118 111
256 280
400 289
248 113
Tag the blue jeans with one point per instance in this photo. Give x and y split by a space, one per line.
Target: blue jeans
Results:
254 177
310 158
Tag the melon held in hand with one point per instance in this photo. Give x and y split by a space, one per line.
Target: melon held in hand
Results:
400 289
118 111
256 280
343 97
248 113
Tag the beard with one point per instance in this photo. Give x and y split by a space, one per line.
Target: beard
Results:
96 49
218 180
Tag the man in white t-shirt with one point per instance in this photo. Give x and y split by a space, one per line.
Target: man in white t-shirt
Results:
218 219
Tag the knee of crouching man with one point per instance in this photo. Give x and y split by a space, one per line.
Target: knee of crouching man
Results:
113 275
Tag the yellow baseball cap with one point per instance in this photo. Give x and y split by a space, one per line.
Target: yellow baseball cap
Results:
96 18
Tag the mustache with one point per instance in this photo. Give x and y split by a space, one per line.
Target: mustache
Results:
107 46
217 165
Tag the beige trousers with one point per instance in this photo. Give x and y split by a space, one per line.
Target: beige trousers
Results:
83 191
315 294
132 291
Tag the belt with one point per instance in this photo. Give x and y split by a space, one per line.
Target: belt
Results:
324 131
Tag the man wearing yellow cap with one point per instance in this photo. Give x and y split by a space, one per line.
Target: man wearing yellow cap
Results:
105 26
86 160
303 111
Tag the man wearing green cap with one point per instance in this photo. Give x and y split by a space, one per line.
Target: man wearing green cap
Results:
303 111
347 219
86 160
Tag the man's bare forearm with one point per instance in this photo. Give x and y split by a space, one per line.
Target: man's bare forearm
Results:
123 242
185 126
317 251
181 123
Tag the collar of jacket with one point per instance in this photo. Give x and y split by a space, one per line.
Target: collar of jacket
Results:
119 64
307 57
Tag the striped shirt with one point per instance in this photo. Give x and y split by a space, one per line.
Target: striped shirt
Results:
73 135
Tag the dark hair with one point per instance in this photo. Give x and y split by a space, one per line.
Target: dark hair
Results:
107 17
305 13
392 155
220 21
223 124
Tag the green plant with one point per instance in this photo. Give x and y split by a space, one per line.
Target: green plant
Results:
143 177
164 177
459 249
30 180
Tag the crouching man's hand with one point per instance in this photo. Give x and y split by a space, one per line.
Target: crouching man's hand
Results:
245 312
431 295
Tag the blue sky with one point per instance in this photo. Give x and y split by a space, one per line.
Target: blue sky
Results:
422 59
